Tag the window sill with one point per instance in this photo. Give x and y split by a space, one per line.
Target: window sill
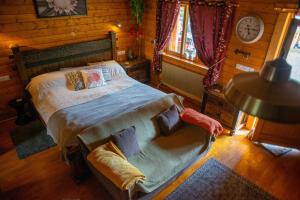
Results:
185 64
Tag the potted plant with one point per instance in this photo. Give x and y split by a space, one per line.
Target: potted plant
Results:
137 10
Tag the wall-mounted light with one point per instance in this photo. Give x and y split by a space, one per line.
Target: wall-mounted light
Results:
118 24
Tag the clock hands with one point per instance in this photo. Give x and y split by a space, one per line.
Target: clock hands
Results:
250 29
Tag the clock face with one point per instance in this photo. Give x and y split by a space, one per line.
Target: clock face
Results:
249 29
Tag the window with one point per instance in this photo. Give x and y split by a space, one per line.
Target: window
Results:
181 42
291 49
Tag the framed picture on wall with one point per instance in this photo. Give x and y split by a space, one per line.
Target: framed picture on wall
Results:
58 8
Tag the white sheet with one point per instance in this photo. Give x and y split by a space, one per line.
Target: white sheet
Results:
50 93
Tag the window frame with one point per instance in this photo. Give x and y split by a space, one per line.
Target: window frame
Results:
184 36
289 38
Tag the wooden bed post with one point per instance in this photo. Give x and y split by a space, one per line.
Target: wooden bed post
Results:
20 64
113 44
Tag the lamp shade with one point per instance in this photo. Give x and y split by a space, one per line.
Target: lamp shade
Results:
269 95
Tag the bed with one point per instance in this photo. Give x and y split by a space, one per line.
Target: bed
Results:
66 113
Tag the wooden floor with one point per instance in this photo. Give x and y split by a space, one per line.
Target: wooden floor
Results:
5 142
45 176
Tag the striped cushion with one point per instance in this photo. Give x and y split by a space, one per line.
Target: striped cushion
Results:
106 74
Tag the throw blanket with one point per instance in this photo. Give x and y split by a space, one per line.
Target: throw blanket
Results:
211 125
65 124
111 162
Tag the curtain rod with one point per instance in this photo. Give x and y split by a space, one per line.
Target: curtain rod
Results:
215 3
286 7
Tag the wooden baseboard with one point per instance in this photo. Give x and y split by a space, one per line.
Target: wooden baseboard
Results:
7 115
8 119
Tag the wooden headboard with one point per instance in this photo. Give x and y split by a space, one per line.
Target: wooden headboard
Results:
31 63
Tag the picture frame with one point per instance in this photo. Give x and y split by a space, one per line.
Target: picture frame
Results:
60 8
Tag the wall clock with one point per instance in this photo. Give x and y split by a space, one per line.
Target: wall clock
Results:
249 29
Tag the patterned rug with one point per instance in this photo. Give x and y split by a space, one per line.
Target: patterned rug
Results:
274 149
214 181
30 139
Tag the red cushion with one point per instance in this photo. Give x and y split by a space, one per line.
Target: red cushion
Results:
191 116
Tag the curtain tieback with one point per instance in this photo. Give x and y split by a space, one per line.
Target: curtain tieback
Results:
217 62
161 52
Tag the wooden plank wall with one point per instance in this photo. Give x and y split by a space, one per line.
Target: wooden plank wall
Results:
149 26
258 50
20 26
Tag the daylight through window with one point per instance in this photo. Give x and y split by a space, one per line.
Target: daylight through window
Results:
181 42
291 50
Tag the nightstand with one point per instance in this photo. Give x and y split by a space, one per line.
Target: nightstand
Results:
215 106
25 112
138 69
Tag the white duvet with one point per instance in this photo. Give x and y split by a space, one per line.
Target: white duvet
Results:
50 93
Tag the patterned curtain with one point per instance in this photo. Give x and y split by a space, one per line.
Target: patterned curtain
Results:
166 16
211 24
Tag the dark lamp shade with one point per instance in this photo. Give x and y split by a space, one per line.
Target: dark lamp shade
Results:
269 95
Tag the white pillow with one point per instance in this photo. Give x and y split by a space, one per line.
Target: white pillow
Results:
93 78
115 69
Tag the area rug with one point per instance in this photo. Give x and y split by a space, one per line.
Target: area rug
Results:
30 139
214 181
275 150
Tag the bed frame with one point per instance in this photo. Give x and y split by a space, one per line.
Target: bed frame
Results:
31 63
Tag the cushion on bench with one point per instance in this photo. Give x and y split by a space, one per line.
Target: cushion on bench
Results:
109 161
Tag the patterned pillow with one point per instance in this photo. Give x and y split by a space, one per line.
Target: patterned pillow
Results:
75 80
93 78
105 70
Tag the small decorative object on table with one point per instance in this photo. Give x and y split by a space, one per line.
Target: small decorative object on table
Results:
138 69
130 54
215 106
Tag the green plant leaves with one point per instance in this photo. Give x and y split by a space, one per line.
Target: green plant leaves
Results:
137 10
